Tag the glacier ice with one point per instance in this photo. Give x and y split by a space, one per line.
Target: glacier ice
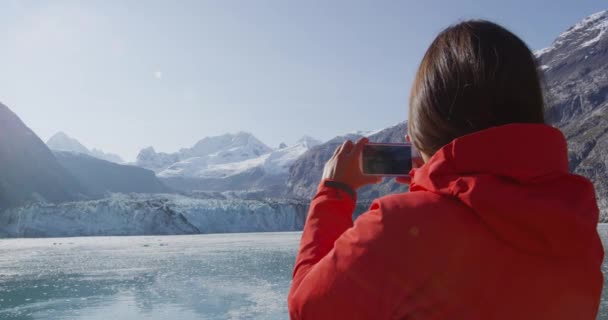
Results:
147 214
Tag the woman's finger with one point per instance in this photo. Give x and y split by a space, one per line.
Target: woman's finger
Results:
404 180
346 147
360 144
340 148
373 179
337 150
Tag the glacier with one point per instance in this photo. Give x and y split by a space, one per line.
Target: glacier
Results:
152 214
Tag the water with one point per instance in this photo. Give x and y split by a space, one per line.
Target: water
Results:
224 276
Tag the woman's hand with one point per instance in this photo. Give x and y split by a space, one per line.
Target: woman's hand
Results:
345 165
404 180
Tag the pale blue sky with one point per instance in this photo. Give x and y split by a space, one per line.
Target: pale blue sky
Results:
123 75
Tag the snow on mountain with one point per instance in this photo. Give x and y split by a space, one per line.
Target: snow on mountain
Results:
62 142
309 141
274 163
148 158
267 172
227 162
208 151
580 37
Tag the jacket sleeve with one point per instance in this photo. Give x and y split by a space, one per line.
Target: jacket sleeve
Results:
344 271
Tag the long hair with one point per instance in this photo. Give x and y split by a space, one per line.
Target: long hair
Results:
475 75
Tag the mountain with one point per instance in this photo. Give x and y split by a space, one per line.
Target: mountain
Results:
275 161
308 141
156 161
306 171
30 171
215 151
228 162
188 162
575 69
62 142
99 177
266 172
100 154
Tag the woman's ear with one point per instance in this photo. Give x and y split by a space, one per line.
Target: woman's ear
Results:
407 138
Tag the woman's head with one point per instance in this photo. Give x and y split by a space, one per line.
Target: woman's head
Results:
475 75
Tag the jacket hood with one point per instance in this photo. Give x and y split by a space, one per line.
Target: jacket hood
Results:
515 178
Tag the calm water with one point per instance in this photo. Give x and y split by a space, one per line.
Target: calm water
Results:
229 276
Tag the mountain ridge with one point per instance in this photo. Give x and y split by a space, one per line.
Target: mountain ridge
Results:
60 141
99 177
226 162
575 72
30 172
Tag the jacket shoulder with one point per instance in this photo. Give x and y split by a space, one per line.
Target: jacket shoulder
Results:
416 211
419 203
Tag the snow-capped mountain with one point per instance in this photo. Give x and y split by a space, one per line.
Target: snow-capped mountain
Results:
156 161
208 151
62 142
30 172
308 141
273 162
576 79
227 162
582 37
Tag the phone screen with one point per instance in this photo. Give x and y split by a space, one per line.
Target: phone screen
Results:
386 159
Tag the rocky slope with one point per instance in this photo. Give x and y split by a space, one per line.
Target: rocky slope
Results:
30 172
575 71
99 177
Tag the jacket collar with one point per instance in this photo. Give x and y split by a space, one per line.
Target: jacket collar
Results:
521 152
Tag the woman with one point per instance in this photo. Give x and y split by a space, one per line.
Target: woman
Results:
494 226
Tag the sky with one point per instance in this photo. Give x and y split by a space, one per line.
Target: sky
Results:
124 75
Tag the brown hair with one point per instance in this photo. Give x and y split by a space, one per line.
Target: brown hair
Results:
475 75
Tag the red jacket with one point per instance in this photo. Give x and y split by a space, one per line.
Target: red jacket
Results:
494 227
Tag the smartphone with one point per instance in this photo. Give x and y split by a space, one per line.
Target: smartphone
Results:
388 159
